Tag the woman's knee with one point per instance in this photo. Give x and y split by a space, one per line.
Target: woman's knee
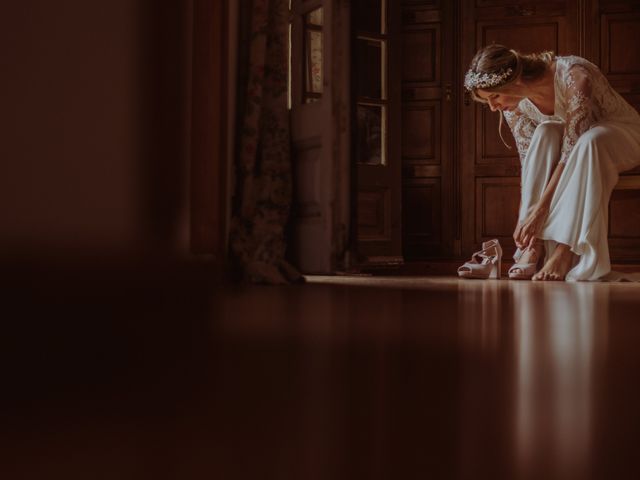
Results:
595 137
550 130
595 150
544 150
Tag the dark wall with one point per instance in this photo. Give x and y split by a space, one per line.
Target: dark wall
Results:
94 109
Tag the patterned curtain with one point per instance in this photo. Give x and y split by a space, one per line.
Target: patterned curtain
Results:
263 184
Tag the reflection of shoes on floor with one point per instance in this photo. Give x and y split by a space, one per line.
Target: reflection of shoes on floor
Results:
524 271
485 263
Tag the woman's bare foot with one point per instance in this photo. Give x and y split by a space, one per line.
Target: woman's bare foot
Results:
557 266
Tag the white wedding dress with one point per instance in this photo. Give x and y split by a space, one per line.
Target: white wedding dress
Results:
596 134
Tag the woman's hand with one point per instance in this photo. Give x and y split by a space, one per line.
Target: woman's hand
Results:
526 233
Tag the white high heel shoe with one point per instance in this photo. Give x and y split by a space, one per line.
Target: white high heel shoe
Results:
484 264
524 271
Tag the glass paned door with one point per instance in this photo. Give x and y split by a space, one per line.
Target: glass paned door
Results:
376 115
313 73
371 85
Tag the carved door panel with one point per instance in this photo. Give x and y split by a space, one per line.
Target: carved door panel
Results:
428 167
617 27
490 172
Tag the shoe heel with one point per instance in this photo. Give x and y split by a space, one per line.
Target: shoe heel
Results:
495 270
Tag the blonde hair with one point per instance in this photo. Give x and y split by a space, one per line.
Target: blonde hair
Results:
495 59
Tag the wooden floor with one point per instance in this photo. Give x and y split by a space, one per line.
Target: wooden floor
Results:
165 374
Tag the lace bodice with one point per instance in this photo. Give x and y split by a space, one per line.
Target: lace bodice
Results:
583 97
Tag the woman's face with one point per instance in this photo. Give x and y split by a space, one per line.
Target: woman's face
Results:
499 100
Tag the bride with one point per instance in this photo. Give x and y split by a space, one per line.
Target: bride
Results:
574 135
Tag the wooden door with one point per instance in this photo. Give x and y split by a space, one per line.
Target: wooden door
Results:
428 165
376 109
612 44
320 121
490 172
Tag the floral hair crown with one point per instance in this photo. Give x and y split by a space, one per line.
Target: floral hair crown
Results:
485 80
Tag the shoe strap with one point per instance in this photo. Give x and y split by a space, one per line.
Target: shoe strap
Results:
483 256
490 244
520 252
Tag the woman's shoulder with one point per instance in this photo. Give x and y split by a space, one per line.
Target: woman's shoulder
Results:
566 62
573 70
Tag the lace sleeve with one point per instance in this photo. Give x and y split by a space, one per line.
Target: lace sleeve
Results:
579 116
522 128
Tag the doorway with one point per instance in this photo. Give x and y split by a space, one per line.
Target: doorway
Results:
448 183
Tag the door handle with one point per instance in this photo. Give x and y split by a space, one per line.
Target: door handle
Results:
447 92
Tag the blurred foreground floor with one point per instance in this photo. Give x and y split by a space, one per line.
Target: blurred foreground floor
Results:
167 375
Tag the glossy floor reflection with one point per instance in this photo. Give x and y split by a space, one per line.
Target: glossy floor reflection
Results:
170 376
557 343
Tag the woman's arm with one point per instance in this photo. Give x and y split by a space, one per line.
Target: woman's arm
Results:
526 233
522 128
579 115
